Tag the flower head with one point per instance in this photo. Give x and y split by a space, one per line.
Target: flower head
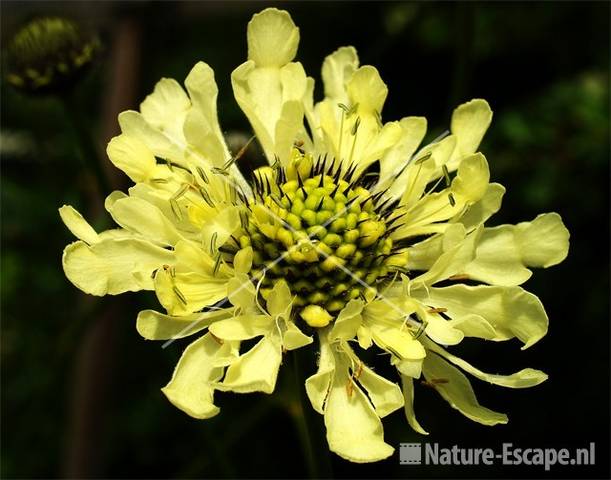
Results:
353 240
48 54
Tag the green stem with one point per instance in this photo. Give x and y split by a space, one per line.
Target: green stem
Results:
309 424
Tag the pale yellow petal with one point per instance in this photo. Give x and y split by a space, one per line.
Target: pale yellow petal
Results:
251 88
112 197
399 342
317 386
142 218
408 393
393 172
293 338
453 261
153 325
132 156
483 209
242 327
279 300
190 257
134 125
78 225
407 367
347 322
256 370
191 386
510 311
504 252
468 187
544 242
272 101
227 354
364 337
241 292
385 395
472 179
166 108
290 121
113 266
217 229
337 70
456 389
354 429
185 293
372 142
201 127
423 255
272 37
441 330
473 325
469 123
426 166
525 378
367 89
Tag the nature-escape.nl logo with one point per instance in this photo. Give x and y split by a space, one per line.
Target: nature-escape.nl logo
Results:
433 454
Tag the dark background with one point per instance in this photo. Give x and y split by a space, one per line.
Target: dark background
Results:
80 388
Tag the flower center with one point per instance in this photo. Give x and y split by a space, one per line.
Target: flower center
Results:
320 232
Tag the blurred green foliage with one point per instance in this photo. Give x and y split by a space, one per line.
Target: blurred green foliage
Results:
544 67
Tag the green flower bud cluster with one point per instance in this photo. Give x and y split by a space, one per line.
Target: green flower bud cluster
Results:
320 234
48 54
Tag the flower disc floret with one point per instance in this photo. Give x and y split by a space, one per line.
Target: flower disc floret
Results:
321 231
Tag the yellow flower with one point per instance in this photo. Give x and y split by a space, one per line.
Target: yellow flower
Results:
319 245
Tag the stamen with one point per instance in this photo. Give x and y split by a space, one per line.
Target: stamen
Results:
349 388
181 191
213 242
241 152
434 382
202 174
446 175
175 208
413 182
421 330
206 196
432 189
343 107
354 132
437 310
179 295
356 126
217 264
423 158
